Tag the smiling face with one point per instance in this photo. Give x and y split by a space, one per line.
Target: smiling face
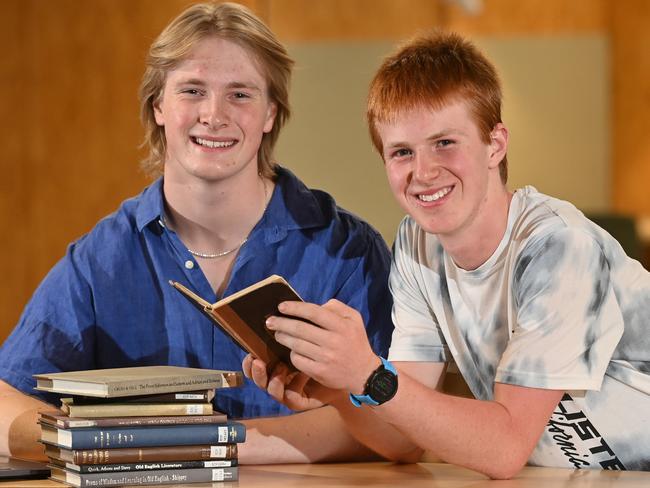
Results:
214 109
441 172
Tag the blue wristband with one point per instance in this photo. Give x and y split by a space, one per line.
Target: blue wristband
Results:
358 400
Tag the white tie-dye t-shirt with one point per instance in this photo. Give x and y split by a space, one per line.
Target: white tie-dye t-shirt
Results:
558 305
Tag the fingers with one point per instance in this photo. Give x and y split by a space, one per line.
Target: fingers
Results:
276 384
326 317
246 366
258 373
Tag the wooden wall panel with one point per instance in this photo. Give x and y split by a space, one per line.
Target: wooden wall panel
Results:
631 106
15 195
298 20
69 125
70 129
317 20
528 17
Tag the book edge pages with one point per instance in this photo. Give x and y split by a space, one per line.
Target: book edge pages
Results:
244 291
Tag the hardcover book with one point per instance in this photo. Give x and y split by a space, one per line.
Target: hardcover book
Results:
139 380
56 419
243 315
142 454
198 396
135 409
109 468
155 477
229 432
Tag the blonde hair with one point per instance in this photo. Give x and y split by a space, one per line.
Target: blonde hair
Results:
229 21
433 70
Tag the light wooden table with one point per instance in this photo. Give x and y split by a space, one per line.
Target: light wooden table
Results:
384 475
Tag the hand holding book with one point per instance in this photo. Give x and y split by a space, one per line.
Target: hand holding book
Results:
294 389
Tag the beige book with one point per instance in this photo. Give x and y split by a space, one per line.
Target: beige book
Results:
135 409
139 380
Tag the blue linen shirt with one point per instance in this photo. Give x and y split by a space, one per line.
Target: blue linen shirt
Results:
108 303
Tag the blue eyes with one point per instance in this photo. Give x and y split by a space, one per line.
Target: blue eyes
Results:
404 153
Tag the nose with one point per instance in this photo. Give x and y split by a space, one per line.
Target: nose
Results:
213 113
425 167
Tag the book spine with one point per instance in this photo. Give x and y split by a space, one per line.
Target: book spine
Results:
168 435
69 423
152 454
196 382
137 409
109 468
199 396
156 477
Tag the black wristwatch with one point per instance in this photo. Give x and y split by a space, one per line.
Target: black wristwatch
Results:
380 387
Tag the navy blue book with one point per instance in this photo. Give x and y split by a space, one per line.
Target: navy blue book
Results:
228 432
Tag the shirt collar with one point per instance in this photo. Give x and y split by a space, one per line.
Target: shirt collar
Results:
292 205
150 205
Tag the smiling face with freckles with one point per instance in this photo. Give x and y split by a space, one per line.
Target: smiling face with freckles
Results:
441 171
214 109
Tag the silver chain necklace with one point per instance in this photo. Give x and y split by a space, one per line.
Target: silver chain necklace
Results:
221 254
208 255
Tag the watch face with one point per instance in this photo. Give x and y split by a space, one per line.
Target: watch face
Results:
382 386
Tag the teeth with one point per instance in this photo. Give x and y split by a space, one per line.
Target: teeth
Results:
213 144
436 196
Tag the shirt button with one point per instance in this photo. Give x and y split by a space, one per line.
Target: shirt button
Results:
189 264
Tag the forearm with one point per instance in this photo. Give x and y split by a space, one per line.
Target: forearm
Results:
375 432
318 435
19 430
480 435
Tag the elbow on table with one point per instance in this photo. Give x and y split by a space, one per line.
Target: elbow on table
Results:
505 470
405 457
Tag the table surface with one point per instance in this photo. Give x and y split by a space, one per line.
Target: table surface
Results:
430 475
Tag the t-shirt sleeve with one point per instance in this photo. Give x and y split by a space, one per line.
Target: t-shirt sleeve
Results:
417 335
54 332
568 321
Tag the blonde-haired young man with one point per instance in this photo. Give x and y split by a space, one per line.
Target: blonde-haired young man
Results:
223 216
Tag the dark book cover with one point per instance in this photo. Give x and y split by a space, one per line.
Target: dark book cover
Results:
243 315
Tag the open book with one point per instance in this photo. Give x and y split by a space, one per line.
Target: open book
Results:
243 315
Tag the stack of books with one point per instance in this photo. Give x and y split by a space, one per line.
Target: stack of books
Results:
150 425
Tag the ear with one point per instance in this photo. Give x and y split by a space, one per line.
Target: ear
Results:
271 112
157 111
498 146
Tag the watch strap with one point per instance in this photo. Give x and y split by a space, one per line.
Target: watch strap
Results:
358 400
